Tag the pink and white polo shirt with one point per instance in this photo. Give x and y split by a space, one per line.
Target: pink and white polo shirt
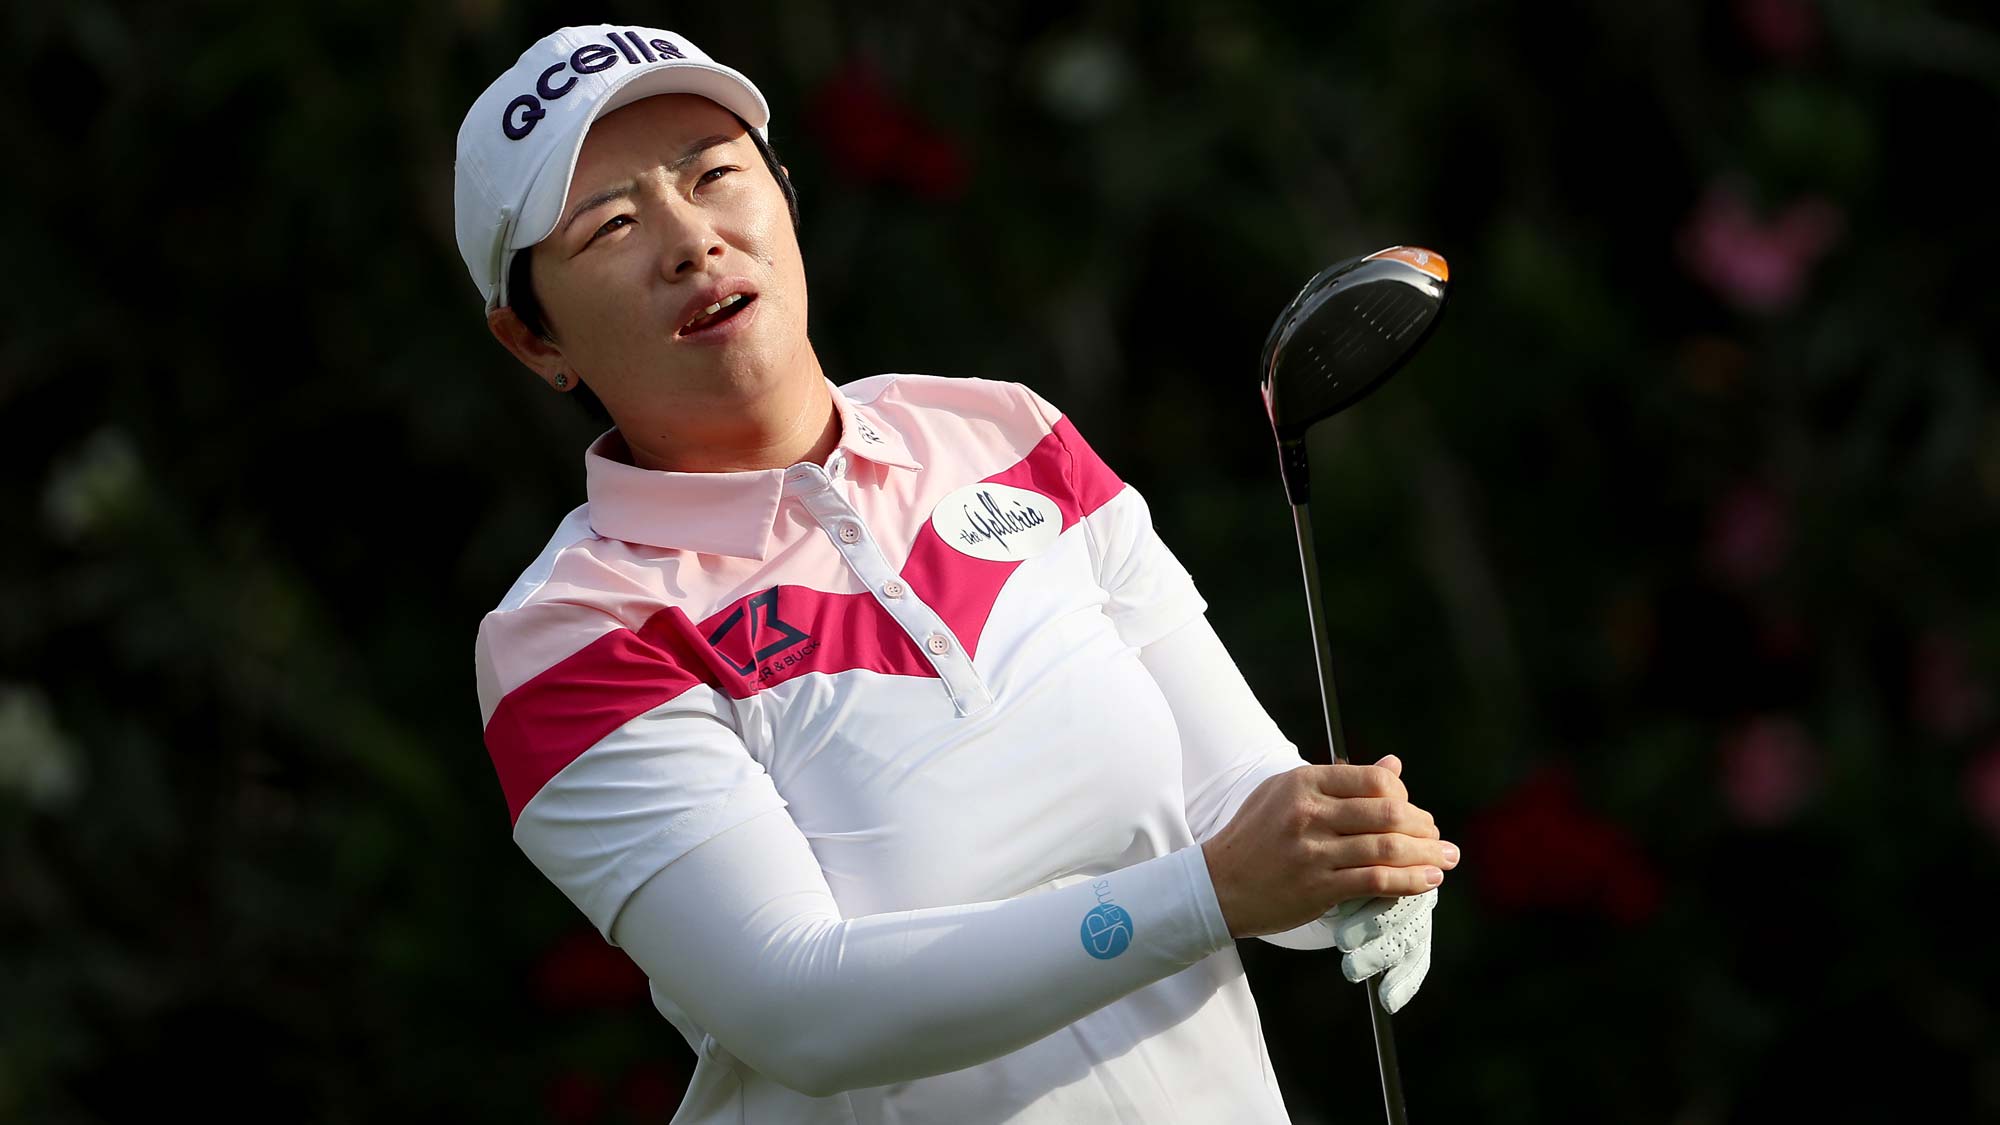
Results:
925 651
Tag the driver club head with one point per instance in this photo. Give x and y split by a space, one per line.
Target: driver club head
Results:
1348 330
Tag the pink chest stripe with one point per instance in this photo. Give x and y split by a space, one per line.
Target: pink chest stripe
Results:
769 636
962 589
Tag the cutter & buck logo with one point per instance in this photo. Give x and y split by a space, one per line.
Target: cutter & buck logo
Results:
518 119
765 638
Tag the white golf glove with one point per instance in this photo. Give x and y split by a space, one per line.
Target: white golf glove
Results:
1374 935
1391 936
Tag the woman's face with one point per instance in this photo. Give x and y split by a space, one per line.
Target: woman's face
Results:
670 210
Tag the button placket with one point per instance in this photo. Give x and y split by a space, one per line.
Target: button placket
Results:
918 621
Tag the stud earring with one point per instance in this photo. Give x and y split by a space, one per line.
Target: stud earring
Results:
562 380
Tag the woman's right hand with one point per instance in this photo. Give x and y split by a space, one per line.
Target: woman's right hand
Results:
1311 838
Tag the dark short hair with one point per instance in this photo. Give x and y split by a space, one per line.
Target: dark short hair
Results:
528 306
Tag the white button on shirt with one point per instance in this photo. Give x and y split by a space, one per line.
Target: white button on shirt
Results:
693 650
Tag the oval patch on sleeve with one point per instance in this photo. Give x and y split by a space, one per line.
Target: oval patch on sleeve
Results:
997 522
1107 931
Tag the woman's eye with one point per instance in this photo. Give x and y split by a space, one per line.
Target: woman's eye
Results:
610 225
715 173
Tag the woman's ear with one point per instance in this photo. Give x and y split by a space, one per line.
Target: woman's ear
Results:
541 356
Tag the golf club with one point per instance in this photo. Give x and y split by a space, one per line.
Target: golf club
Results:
1347 331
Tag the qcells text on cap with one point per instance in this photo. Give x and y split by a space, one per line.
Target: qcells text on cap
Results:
587 59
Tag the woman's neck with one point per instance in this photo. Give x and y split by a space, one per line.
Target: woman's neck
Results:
776 431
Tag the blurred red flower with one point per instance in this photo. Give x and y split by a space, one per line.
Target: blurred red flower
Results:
573 1097
581 970
1982 788
1758 266
1945 698
1749 532
1770 765
870 137
1538 848
651 1091
1784 29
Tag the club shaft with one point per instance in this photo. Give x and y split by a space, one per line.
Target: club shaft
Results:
1316 619
1378 1016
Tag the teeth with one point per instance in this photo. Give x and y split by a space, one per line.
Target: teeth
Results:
713 309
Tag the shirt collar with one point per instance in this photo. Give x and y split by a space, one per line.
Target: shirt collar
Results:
715 513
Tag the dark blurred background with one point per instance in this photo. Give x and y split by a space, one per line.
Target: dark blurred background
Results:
1668 567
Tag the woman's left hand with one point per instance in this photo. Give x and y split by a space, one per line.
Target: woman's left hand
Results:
1386 935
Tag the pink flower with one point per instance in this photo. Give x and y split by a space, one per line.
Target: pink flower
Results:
1945 699
1758 266
1783 29
1769 767
1538 848
1749 532
1982 788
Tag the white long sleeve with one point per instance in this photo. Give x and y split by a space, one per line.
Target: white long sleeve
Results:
1229 745
744 936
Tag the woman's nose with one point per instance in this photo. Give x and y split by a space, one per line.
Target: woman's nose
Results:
696 251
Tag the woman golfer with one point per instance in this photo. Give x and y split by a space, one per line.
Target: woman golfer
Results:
873 721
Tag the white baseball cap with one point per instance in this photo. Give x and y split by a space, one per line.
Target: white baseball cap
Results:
518 145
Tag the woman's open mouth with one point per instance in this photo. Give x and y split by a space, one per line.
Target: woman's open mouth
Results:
714 316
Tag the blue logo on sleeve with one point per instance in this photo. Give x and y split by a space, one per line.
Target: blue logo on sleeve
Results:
1107 929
